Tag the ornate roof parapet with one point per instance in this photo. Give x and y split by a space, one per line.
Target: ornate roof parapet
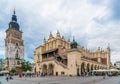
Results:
98 48
63 38
50 36
44 40
58 34
108 48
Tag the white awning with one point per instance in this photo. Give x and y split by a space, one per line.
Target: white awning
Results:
4 71
27 72
114 70
106 70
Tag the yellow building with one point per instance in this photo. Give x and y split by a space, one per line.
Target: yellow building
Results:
60 57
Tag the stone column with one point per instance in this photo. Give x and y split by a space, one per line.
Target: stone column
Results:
99 55
108 58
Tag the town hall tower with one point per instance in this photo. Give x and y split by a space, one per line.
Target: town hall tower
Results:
14 45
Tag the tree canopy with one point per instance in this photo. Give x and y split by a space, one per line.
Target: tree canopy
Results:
25 66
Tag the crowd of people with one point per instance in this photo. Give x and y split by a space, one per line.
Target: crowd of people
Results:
9 76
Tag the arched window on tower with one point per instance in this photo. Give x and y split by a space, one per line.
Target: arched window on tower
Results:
16 44
16 55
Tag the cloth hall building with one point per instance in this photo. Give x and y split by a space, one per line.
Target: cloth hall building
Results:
59 57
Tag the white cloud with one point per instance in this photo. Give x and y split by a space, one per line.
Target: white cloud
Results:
2 36
89 21
2 52
2 44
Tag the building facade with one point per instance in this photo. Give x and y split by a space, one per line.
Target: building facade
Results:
60 57
14 46
117 64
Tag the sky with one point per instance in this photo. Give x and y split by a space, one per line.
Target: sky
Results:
94 23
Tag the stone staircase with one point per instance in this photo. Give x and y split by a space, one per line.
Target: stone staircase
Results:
60 63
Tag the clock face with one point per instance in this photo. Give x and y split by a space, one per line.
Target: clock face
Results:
16 34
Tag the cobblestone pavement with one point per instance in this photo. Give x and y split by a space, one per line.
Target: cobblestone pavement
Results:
63 80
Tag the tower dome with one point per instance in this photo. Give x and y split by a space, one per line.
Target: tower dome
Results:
13 24
74 44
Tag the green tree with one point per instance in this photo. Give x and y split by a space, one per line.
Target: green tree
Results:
2 62
118 68
0 69
13 71
25 66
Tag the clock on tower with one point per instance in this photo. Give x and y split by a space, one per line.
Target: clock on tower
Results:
16 34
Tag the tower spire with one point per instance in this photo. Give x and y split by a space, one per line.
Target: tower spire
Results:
73 38
14 11
13 23
44 39
14 17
